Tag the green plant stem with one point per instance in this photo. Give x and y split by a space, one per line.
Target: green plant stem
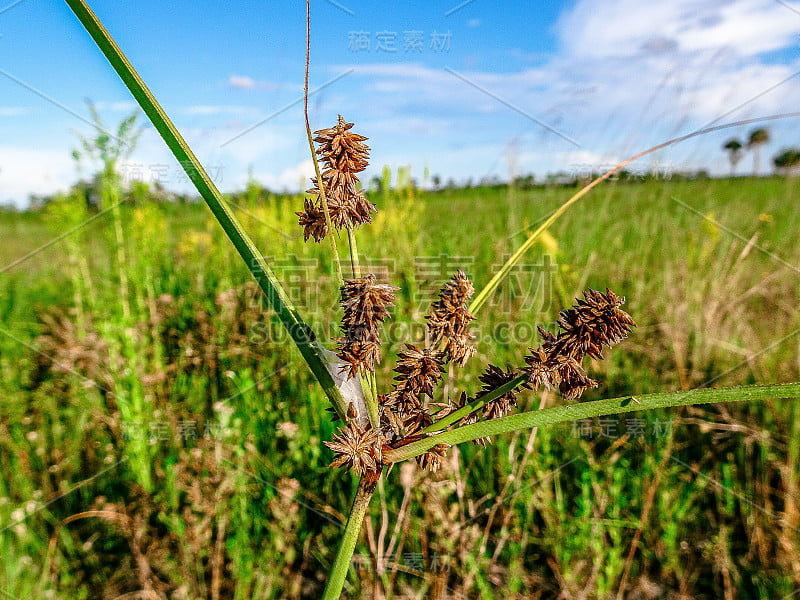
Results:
479 402
494 282
585 410
354 265
276 295
337 263
369 386
347 545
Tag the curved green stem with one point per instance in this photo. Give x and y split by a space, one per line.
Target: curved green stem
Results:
498 277
585 410
322 197
480 402
276 295
348 544
368 383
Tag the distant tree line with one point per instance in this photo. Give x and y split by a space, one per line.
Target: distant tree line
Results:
786 162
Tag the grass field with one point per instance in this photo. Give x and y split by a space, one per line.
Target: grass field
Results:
158 429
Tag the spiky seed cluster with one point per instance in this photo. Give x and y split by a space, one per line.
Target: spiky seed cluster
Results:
492 378
343 154
594 322
588 326
341 149
358 449
366 305
312 220
449 319
432 459
419 370
591 324
347 209
405 414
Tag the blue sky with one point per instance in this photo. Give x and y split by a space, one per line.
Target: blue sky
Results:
466 89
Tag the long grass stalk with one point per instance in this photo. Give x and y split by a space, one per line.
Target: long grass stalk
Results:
502 273
320 184
368 382
277 297
585 410
347 545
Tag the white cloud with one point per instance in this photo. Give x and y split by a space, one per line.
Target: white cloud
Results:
293 179
24 171
241 82
627 28
626 76
14 111
119 106
245 82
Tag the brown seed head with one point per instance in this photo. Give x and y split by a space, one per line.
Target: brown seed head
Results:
588 326
419 371
432 459
341 149
312 220
594 322
493 378
366 305
343 154
357 449
358 355
449 319
347 208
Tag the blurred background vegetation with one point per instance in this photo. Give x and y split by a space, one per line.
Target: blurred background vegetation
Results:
160 434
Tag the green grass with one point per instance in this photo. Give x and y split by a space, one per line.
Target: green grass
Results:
252 512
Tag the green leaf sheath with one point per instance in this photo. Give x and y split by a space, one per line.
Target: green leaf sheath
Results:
276 295
585 410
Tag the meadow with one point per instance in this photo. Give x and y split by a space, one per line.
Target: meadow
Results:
159 431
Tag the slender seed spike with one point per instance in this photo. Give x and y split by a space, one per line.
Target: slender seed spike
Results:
449 319
366 305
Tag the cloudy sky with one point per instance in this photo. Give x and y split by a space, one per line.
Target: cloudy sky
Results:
464 89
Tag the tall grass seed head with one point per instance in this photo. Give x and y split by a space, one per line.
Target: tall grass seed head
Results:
366 305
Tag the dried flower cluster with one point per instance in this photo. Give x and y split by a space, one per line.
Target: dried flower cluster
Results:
595 322
366 305
449 319
403 411
359 449
588 326
420 370
343 154
592 323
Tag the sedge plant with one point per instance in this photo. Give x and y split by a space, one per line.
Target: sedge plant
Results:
385 423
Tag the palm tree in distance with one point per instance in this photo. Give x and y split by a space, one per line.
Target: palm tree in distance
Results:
734 149
788 161
758 137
